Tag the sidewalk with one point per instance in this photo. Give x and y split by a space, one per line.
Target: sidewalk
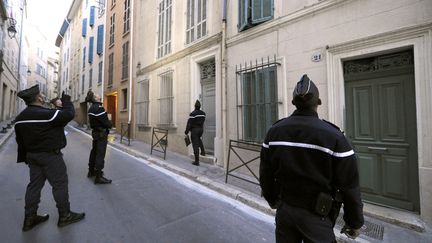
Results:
376 229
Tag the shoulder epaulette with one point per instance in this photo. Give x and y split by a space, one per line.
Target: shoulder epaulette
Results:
333 125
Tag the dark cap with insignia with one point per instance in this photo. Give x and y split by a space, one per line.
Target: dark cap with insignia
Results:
197 104
29 95
305 94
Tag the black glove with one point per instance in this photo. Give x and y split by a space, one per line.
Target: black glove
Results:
65 97
186 132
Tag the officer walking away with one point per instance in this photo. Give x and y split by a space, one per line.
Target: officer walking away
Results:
57 103
40 138
100 129
307 169
195 126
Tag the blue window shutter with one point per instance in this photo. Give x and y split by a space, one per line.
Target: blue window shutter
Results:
99 47
92 16
90 55
84 27
262 10
243 14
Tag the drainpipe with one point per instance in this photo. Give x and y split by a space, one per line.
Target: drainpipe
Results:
131 61
18 104
103 53
224 83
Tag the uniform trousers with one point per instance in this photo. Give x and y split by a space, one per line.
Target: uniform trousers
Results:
295 224
47 166
196 134
98 151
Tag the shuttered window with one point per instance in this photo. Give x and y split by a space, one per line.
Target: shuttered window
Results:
196 20
90 78
126 16
253 12
100 72
84 57
125 61
90 55
110 69
92 16
260 102
164 28
112 29
100 37
143 102
166 99
84 27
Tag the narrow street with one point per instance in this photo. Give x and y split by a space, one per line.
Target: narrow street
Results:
144 204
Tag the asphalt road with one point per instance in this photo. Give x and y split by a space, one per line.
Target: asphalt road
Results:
144 204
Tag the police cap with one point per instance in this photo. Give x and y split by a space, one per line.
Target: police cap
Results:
306 94
29 95
197 104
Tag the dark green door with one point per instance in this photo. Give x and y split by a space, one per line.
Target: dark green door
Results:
381 124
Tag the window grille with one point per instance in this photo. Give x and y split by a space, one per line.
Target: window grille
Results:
142 105
166 99
257 99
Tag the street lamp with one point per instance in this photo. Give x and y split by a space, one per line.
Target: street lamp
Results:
12 29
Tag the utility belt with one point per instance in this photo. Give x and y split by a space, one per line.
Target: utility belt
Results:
324 204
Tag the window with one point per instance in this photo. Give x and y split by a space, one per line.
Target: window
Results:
110 69
125 61
166 99
253 12
92 16
84 27
90 56
112 29
90 78
84 57
100 39
196 26
82 84
126 17
113 2
143 102
125 99
164 32
260 102
100 72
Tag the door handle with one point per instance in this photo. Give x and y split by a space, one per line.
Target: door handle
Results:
377 148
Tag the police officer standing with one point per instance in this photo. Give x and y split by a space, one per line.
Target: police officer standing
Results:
40 138
100 129
195 126
307 162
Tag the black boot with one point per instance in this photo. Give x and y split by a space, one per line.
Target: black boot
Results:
100 179
33 220
91 173
69 218
196 160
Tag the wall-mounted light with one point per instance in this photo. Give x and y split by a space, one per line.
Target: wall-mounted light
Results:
12 29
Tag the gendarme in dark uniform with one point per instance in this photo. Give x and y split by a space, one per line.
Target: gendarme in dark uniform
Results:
195 126
100 125
40 138
304 162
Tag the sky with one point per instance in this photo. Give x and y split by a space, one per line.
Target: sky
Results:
48 15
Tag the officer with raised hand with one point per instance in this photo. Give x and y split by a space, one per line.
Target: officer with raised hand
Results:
307 166
40 138
100 125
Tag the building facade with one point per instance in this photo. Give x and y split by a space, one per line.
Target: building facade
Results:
11 36
177 61
118 84
38 60
371 61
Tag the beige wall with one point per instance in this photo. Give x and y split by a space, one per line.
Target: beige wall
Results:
183 62
338 30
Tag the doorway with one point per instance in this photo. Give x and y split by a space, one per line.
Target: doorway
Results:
111 101
208 87
381 124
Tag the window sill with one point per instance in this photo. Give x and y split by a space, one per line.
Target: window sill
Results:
124 80
126 34
112 6
110 46
124 110
164 126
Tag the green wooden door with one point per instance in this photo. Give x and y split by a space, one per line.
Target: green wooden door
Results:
381 124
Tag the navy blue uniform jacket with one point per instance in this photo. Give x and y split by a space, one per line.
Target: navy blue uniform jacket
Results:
302 156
